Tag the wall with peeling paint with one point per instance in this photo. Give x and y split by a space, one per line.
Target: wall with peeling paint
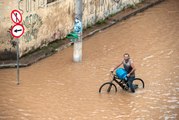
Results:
45 22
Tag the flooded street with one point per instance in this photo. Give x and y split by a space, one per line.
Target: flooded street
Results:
58 89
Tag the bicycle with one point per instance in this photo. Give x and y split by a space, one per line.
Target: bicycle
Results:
137 82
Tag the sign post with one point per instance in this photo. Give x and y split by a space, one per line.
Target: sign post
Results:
17 46
17 31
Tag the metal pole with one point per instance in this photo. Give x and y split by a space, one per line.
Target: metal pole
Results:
77 53
17 46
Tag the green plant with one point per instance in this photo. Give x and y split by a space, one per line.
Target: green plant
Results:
101 21
141 0
88 26
133 6
113 14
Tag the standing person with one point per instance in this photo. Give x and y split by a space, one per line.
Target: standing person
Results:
130 68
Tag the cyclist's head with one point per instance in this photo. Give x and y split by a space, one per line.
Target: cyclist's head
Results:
126 57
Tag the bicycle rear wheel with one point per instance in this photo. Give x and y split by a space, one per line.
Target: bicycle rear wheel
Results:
108 87
138 83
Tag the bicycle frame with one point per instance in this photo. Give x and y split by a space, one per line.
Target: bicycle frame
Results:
120 82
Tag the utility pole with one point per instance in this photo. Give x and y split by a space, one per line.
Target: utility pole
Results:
77 52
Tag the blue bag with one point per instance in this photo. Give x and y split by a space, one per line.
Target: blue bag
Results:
121 73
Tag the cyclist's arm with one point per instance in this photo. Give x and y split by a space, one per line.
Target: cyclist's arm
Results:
117 66
133 68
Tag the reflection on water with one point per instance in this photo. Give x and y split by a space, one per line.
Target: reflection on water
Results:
57 89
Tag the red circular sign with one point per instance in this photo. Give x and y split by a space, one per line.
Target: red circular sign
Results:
17 30
16 16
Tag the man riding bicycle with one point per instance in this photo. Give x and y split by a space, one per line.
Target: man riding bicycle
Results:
130 69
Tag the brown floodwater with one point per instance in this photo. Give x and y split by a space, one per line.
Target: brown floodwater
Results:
58 89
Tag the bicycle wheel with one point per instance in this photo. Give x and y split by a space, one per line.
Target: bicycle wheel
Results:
108 87
138 83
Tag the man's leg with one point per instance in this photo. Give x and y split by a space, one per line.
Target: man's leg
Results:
130 80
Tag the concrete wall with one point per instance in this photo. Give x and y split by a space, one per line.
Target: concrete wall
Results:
45 23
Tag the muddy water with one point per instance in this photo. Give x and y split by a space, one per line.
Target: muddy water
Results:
58 89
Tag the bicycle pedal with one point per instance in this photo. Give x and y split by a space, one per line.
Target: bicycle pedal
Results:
126 88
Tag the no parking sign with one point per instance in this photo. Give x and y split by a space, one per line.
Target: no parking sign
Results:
16 16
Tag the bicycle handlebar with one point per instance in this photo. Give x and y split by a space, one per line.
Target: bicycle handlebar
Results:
113 74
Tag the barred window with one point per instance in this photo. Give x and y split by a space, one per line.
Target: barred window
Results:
50 1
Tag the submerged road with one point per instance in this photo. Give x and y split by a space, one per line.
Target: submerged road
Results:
58 89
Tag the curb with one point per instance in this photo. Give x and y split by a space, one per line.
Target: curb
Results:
113 22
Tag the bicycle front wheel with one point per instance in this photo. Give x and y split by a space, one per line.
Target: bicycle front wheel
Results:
108 87
138 83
